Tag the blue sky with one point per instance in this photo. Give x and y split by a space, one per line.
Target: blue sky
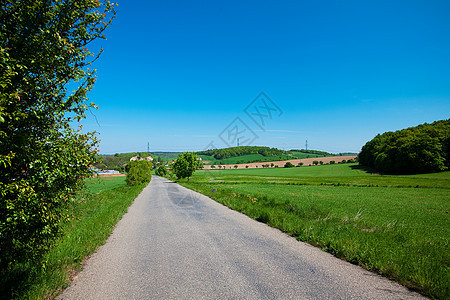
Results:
181 74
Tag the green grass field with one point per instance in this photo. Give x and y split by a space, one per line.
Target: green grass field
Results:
397 226
94 218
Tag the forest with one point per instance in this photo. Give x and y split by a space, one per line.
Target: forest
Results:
420 149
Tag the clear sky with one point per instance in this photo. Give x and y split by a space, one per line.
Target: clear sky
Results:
181 75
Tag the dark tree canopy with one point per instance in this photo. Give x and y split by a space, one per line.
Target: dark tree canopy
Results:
421 149
242 150
43 160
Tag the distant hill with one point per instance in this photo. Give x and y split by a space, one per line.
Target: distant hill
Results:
116 161
240 151
233 155
252 154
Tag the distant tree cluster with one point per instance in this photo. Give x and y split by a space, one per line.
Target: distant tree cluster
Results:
240 151
420 149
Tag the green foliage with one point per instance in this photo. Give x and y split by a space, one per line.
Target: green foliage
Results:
240 151
289 165
94 217
185 165
138 172
43 160
420 149
315 162
161 171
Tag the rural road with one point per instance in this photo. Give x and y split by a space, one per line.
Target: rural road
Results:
177 244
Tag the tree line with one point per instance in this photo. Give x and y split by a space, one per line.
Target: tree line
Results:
420 149
240 151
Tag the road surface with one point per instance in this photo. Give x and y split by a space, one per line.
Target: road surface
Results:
177 244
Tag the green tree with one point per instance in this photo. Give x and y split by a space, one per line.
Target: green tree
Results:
185 165
420 149
43 159
289 165
161 171
138 172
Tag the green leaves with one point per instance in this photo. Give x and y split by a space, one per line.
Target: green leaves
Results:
185 165
43 161
138 172
420 149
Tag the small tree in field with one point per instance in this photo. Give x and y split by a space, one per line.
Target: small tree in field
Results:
315 162
43 159
185 165
289 165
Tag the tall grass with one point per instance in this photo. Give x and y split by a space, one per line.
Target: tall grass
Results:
94 218
395 230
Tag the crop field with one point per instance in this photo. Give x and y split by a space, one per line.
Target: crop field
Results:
397 226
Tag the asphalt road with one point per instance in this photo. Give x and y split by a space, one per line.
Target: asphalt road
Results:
177 244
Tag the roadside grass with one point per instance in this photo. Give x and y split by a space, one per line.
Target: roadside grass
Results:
396 229
94 218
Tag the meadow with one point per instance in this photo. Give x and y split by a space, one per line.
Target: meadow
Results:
397 226
94 215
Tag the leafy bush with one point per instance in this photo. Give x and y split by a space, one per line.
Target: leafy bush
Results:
289 165
420 149
186 164
139 171
315 162
161 171
43 158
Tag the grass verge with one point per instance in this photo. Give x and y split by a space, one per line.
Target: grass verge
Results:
94 218
398 231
